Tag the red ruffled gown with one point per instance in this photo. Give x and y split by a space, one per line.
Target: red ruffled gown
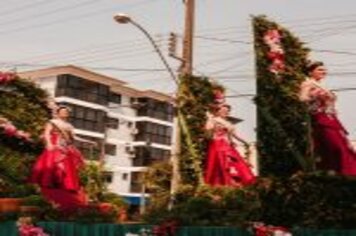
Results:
56 172
224 164
330 137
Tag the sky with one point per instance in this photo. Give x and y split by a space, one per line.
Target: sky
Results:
41 33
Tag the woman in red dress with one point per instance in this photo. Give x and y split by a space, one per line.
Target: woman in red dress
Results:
56 169
329 135
224 164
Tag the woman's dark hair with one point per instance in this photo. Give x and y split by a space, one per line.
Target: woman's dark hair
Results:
224 105
312 65
61 107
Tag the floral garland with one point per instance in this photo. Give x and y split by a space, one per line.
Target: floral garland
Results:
17 97
8 128
276 53
11 131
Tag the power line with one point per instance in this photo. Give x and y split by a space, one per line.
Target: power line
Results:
241 95
222 39
89 52
61 9
343 89
76 17
24 7
335 52
91 67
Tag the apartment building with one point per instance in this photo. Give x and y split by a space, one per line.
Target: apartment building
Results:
136 126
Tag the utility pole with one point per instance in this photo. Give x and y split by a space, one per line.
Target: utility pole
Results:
186 68
187 65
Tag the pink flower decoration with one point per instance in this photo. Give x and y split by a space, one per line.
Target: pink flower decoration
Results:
277 66
9 129
30 230
23 135
219 96
272 37
268 230
275 55
105 207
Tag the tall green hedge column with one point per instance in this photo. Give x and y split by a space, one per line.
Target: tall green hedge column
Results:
282 121
196 96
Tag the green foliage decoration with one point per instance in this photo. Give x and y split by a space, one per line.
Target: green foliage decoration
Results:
317 200
24 104
91 178
196 98
283 127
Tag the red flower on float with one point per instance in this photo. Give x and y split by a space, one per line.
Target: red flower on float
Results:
105 207
269 230
276 66
11 131
219 96
6 77
276 54
272 37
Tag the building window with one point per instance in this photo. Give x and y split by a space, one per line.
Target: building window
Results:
115 98
82 89
87 118
146 156
110 149
89 151
153 132
112 123
136 182
124 176
108 176
155 109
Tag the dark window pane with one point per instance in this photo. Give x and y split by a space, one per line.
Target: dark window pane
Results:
107 176
110 149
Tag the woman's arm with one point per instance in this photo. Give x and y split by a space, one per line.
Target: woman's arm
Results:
47 136
77 138
210 123
238 138
305 91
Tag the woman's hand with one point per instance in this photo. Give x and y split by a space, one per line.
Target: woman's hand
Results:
50 147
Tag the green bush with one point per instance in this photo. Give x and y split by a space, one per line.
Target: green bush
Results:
312 201
210 206
91 178
309 201
34 200
114 199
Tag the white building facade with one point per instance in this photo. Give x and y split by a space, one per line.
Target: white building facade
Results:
135 126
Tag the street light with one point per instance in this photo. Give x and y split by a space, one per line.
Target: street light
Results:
122 18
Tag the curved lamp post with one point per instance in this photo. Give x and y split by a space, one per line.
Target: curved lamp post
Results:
124 19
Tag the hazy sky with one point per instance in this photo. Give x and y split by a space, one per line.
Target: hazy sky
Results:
40 33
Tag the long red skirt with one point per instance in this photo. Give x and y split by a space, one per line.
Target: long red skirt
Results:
56 172
225 166
332 144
